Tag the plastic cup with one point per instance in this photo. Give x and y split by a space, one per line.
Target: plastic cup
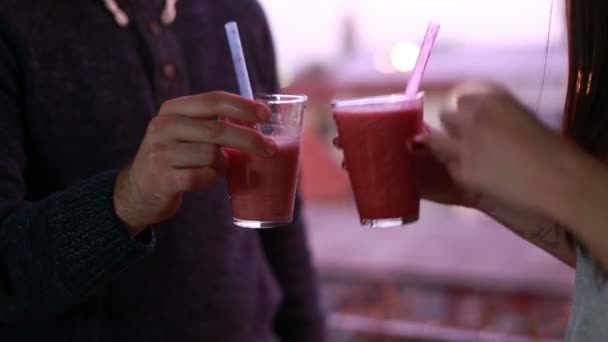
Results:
374 133
263 190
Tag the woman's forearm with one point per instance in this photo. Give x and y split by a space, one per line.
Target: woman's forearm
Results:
537 229
580 202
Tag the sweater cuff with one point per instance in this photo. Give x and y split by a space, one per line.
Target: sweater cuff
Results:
90 243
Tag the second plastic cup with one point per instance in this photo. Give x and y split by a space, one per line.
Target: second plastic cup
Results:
374 132
263 190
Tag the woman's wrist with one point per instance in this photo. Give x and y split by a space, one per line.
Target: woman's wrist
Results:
575 183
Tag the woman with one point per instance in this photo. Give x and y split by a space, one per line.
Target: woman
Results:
550 189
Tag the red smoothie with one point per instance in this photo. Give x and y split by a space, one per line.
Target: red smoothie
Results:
382 172
263 189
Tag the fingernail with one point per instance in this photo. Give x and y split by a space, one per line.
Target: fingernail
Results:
271 148
417 143
419 139
264 113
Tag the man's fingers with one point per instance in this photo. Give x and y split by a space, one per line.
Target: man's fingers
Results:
190 155
194 179
172 128
214 104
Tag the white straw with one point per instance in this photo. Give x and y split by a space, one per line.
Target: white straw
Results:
423 58
238 59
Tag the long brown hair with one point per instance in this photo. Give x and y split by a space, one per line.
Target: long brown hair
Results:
586 111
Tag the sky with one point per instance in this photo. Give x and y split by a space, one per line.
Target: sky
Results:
310 30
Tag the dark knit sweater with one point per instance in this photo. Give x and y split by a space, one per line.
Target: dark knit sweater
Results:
76 94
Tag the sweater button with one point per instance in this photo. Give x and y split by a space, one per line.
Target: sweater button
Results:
154 27
169 71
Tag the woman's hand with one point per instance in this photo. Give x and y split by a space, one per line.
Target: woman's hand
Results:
436 183
493 145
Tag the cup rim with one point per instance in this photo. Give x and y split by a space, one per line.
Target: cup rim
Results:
376 100
282 98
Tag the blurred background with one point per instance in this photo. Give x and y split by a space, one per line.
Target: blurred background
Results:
455 275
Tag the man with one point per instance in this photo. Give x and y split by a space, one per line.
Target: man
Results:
115 223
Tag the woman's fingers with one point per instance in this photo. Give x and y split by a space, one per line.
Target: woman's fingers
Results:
443 147
451 123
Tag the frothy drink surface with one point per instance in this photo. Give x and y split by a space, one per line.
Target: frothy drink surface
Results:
263 189
382 172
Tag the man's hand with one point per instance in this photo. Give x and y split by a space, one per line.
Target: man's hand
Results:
181 152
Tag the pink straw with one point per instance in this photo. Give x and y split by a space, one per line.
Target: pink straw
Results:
423 58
